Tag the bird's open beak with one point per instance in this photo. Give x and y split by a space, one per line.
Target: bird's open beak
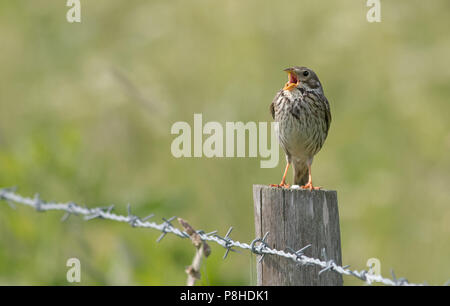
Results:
292 81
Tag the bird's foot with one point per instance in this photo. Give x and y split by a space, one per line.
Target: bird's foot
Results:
281 185
310 187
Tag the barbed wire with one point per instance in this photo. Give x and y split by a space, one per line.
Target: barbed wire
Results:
258 246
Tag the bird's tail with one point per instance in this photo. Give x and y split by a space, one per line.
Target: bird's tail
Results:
300 174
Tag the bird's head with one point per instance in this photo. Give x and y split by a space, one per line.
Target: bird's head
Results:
302 77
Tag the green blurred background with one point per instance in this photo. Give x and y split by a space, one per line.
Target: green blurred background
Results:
86 111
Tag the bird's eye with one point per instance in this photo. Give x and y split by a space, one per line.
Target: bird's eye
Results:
305 73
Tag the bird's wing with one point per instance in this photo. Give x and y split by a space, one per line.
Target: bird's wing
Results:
327 113
272 105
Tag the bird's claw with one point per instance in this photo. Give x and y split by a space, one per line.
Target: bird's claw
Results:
281 185
310 187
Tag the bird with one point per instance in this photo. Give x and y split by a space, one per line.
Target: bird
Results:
303 115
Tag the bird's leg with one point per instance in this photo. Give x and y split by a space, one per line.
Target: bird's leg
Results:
283 180
309 185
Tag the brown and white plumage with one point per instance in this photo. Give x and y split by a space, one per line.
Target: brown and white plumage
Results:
303 115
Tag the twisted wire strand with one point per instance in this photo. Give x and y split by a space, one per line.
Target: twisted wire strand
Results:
258 246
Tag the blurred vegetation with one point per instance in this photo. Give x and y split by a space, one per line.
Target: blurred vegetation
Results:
72 129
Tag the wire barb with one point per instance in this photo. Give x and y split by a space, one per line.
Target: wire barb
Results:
37 202
166 225
227 242
132 219
298 255
329 263
259 249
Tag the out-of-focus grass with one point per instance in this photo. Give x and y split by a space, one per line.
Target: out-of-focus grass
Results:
71 131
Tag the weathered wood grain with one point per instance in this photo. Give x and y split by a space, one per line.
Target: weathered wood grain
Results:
294 219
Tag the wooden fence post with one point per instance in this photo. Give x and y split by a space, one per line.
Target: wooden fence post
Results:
294 219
